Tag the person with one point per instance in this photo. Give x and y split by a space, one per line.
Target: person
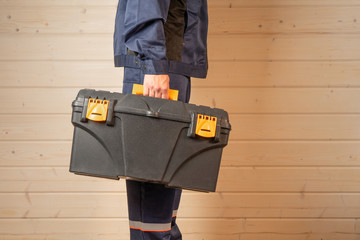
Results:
161 44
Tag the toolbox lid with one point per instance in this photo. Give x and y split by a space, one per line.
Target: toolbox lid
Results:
149 107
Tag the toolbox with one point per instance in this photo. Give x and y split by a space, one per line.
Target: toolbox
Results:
147 139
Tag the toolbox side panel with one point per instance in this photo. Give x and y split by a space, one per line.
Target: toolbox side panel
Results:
97 149
200 172
149 145
195 158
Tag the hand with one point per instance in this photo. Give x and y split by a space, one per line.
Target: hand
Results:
156 86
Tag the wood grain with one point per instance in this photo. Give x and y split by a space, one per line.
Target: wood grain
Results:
251 19
192 229
231 179
288 73
193 205
103 74
254 47
234 100
211 3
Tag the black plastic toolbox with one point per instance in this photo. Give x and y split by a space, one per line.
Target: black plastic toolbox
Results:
148 139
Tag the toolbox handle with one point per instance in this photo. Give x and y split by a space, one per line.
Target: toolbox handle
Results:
138 90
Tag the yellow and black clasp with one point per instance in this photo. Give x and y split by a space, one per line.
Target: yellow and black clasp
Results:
98 110
204 126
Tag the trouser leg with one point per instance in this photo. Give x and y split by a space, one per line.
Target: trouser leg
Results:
153 207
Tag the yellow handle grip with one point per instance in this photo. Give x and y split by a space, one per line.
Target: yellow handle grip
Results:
138 90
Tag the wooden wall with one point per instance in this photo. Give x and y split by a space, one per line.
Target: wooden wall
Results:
288 71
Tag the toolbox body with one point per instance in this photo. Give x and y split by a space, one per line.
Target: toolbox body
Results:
147 139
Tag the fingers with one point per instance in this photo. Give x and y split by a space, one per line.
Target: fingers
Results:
156 86
146 90
165 94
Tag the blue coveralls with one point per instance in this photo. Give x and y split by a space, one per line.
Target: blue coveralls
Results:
159 37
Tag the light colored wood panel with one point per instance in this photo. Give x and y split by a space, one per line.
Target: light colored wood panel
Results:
203 235
56 179
283 73
56 3
231 179
193 205
197 228
29 153
237 153
258 205
296 153
61 47
50 100
295 127
84 74
221 47
300 236
275 100
211 3
289 179
102 74
36 127
285 47
233 100
85 19
284 20
244 127
95 19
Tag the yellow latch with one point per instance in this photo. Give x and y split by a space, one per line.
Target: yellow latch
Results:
138 90
97 110
206 126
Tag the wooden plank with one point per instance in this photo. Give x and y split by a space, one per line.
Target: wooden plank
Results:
283 20
221 47
103 74
299 236
81 74
284 47
100 19
233 100
56 3
42 19
295 127
231 179
60 47
295 153
192 229
211 3
44 153
299 179
50 100
36 127
193 205
281 73
205 235
329 127
279 100
237 153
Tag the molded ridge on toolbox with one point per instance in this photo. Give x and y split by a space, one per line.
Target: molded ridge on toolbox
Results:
148 139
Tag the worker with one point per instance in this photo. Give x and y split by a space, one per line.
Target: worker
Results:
160 44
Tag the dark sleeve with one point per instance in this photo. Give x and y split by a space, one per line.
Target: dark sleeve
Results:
144 33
